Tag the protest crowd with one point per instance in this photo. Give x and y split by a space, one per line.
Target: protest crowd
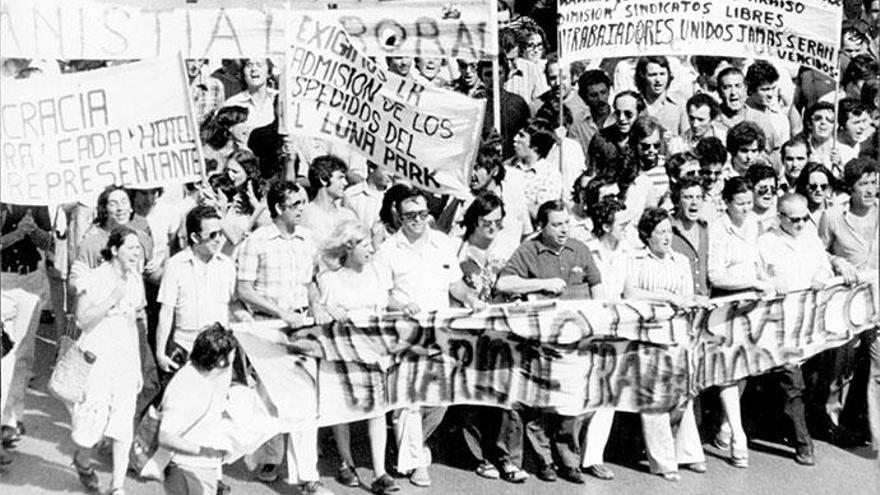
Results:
672 179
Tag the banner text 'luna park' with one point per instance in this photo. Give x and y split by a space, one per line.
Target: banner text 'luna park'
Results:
65 138
805 32
333 91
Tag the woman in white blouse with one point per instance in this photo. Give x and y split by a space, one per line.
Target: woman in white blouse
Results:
734 267
350 284
658 273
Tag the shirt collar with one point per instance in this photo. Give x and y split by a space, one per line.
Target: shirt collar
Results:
275 233
545 248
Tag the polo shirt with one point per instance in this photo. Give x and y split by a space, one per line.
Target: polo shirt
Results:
697 255
199 292
420 272
573 263
280 265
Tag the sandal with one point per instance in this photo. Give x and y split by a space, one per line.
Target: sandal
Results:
87 476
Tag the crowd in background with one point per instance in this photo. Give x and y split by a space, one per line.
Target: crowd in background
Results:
673 179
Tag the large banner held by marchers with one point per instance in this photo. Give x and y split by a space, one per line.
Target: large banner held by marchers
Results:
108 30
571 356
65 138
805 32
334 91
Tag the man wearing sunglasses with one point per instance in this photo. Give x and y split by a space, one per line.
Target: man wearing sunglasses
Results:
792 258
196 290
424 273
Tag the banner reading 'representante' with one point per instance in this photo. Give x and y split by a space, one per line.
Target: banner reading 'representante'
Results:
333 91
806 32
65 138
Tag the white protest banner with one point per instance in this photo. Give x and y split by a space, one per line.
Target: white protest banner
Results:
65 138
421 28
572 356
806 32
333 91
125 30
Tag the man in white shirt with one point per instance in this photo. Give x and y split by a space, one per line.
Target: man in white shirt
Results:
196 290
424 270
793 258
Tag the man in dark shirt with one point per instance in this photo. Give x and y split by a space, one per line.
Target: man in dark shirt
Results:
515 111
25 231
612 142
553 265
690 234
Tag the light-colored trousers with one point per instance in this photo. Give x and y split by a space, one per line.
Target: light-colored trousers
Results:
668 446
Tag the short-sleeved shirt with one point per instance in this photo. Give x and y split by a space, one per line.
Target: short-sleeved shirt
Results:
420 272
843 239
542 182
793 263
199 292
281 266
646 271
612 265
192 406
352 291
573 263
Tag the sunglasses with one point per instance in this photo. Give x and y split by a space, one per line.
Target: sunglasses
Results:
710 173
765 190
653 146
796 220
412 216
818 187
213 235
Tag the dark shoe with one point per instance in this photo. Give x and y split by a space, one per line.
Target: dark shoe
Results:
600 471
10 436
5 458
547 473
384 484
223 488
346 476
571 475
268 473
87 476
804 456
513 473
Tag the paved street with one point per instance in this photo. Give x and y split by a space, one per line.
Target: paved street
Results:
42 466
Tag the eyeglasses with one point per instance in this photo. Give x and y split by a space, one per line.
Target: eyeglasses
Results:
796 220
625 113
491 223
821 118
412 216
213 235
653 146
818 187
765 190
534 45
710 173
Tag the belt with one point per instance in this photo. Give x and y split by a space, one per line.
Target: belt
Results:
266 316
